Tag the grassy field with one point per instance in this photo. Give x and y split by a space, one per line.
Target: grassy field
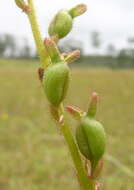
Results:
33 155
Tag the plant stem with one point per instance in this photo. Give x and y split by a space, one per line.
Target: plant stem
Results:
85 182
42 52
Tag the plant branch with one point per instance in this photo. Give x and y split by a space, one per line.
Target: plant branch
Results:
42 52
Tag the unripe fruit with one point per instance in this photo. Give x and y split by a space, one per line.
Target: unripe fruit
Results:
61 25
56 82
91 140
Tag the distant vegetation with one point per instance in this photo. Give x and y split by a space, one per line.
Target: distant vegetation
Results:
29 148
111 58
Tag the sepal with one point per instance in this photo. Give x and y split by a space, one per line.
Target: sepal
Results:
73 56
53 51
76 112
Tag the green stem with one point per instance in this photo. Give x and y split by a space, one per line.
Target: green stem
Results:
42 52
85 182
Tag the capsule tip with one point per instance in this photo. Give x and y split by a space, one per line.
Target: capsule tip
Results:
78 10
95 97
93 104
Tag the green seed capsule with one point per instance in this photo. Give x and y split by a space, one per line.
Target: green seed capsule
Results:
56 82
61 25
91 140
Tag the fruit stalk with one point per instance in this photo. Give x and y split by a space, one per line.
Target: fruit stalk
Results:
85 182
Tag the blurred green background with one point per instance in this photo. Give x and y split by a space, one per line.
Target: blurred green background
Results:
33 154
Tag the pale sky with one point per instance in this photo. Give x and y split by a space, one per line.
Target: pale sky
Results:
113 18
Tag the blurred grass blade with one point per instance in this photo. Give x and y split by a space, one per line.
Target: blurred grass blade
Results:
121 166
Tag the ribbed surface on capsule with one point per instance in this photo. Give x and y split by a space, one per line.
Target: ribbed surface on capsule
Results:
91 140
56 82
61 25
